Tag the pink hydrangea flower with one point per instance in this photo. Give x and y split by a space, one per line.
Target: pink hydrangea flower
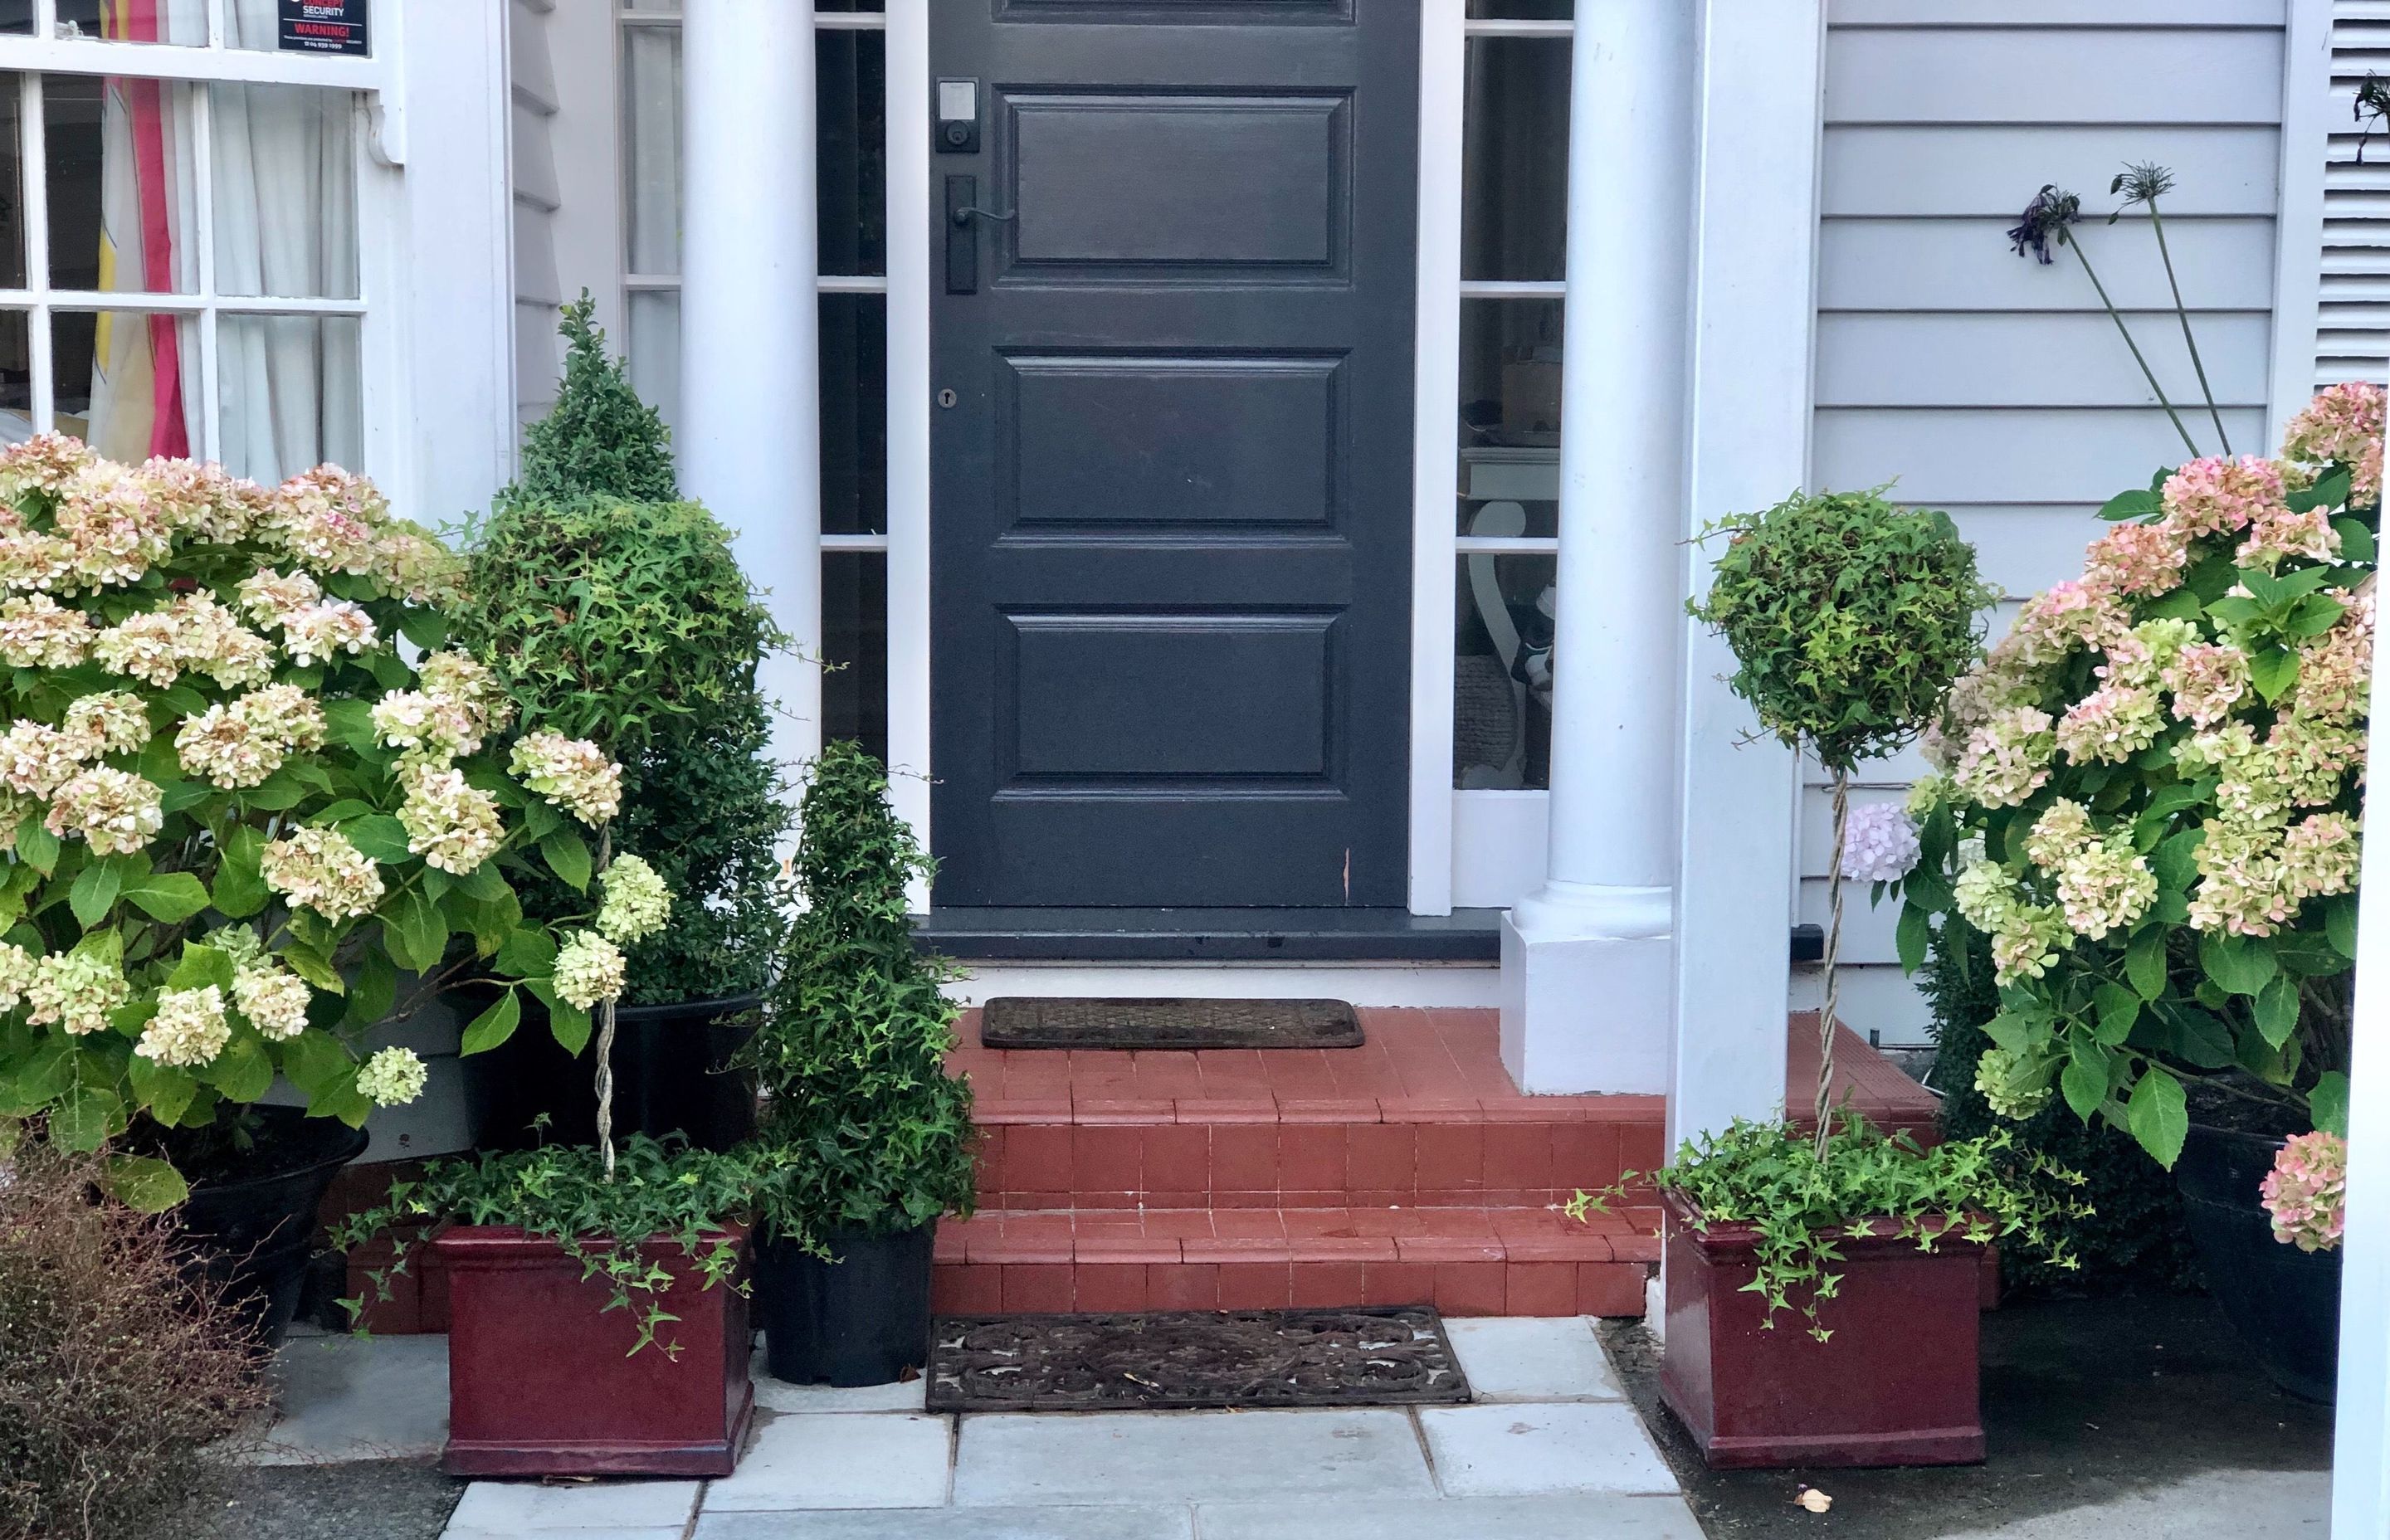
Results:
2136 558
2342 426
1879 844
2218 496
2307 1191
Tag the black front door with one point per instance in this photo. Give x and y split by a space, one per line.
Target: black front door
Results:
1170 502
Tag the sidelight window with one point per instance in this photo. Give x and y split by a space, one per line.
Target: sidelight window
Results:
850 85
1513 243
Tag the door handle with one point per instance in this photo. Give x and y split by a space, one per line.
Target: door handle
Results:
962 235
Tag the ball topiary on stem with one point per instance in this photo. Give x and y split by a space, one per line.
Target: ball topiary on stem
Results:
1849 618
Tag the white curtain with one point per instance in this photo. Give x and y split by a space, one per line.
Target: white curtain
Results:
286 201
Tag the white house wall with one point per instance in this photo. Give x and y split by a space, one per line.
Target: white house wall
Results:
531 69
1990 385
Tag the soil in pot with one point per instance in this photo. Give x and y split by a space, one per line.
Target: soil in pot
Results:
2284 1301
674 1073
1894 1384
543 1381
256 1185
859 1317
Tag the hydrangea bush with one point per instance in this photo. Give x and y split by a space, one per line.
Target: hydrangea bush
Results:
237 816
2147 795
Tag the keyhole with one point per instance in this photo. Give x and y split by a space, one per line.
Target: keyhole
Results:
946 398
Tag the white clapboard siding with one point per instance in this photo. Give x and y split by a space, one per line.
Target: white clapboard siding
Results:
1992 385
537 197
2353 296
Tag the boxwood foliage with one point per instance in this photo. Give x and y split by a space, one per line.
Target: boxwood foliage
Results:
852 1050
611 610
2127 1231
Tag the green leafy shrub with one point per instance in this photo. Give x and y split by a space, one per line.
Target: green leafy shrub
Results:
2123 1226
238 814
655 1192
855 1032
1800 1196
2152 792
117 1371
610 608
599 440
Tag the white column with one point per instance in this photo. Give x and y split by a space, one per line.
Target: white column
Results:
2360 1451
1754 259
1587 961
750 433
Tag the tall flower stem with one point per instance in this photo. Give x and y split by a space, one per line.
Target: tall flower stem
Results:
1825 1108
2123 331
2157 224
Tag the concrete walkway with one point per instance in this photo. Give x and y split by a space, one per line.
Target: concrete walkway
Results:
1549 1450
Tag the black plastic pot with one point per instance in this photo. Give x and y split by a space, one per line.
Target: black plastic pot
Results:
860 1317
2284 1301
255 1234
673 1074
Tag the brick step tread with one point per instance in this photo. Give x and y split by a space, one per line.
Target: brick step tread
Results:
1307 1165
1078 1105
1454 1288
1299 1235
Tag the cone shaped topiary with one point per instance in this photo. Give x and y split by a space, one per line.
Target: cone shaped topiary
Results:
852 1052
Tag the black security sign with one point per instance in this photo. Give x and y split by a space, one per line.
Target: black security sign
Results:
323 26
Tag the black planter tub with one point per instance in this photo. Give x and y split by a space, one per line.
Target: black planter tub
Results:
673 1074
2284 1301
859 1317
255 1234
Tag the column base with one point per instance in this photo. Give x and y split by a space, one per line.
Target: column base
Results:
1584 1013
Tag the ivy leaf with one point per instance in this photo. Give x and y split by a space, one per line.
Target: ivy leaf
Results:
143 1184
2277 1011
168 897
1913 934
2157 1115
494 1026
2239 965
568 856
2328 1103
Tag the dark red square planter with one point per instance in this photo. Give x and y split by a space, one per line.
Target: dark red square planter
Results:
1895 1384
542 1381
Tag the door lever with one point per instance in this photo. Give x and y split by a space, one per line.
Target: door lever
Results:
962 217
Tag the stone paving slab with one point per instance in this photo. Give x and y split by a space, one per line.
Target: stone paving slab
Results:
1025 1459
780 1395
840 1460
957 1524
1575 1516
580 1510
1534 1358
1561 1446
348 1398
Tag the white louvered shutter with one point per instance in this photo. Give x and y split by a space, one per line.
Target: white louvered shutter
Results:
2353 309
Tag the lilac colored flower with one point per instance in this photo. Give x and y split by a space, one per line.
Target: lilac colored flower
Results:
1879 844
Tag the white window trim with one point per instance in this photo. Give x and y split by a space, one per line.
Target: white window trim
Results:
2309 114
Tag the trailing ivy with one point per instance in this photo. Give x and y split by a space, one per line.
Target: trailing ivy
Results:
661 1194
875 1135
1800 1202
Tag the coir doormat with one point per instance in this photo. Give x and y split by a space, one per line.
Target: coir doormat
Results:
1181 1359
1026 1022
